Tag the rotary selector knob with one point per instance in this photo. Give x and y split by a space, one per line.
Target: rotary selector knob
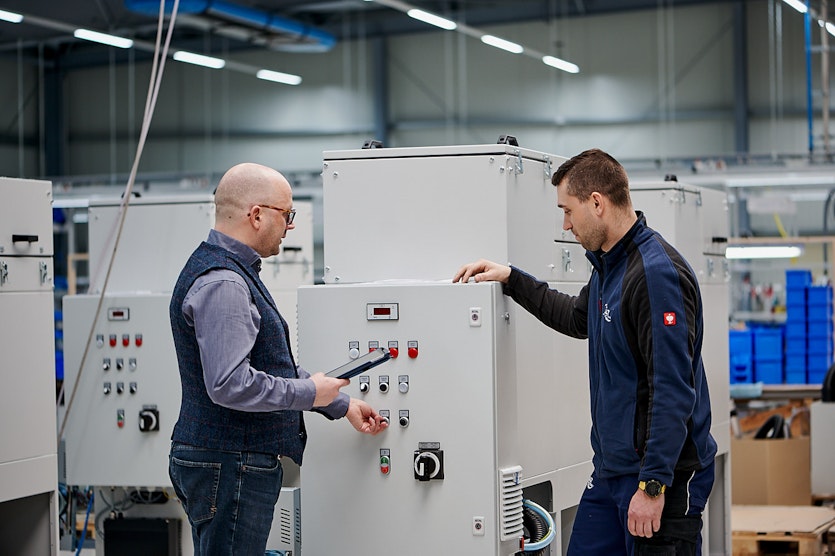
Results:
149 419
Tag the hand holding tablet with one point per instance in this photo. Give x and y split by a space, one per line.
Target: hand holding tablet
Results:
360 364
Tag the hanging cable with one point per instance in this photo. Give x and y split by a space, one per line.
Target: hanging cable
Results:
157 70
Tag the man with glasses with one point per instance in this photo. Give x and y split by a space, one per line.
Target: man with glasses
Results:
642 314
242 393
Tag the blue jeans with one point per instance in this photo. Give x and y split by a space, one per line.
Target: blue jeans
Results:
229 498
600 526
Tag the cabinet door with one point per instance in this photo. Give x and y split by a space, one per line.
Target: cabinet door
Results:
27 368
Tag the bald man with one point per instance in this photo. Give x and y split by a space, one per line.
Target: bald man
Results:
242 393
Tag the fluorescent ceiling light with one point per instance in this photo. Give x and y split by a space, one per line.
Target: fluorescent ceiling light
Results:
199 59
503 44
763 251
278 77
558 63
11 17
103 38
432 19
797 5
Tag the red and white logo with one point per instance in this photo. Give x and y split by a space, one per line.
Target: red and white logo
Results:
669 319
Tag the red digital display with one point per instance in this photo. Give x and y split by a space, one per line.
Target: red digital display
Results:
382 311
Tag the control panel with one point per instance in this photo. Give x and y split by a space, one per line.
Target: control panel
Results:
119 426
449 396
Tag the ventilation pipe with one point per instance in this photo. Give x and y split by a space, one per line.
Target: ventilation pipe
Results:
298 36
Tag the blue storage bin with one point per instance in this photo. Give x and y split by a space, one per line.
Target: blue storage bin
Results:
795 296
795 346
819 312
818 363
796 313
768 344
798 377
816 377
796 329
741 372
819 345
769 372
741 342
819 295
819 329
795 368
795 377
798 278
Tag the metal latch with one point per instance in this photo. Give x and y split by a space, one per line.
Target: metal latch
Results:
44 273
566 260
519 169
547 168
4 272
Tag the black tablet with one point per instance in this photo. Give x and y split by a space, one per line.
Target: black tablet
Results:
361 364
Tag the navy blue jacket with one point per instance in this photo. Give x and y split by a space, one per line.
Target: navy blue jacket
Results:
206 424
642 313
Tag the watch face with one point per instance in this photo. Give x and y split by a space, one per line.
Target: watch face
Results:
653 488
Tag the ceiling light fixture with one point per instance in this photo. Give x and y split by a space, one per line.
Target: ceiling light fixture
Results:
493 40
797 5
102 38
763 251
11 17
432 19
199 59
488 39
278 77
560 64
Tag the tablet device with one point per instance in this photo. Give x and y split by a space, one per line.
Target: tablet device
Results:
361 364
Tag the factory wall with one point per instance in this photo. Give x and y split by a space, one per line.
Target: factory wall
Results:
18 127
654 85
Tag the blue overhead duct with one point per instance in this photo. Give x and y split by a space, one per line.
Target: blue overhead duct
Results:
298 36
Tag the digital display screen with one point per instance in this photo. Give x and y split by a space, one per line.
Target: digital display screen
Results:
382 311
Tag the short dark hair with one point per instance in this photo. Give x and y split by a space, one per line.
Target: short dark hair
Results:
594 170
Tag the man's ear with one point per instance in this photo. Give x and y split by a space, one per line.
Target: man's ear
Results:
597 199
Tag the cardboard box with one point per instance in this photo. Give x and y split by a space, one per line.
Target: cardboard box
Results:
771 471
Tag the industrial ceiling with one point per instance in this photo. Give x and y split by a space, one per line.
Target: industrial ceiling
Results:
290 25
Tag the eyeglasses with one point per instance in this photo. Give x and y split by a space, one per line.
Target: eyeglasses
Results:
289 214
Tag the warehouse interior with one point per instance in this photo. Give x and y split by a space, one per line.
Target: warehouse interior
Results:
416 135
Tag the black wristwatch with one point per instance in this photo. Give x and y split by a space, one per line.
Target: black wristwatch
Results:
652 488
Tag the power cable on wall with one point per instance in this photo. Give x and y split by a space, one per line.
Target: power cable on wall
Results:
157 70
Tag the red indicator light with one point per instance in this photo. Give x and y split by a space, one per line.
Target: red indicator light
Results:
113 340
138 340
413 352
394 352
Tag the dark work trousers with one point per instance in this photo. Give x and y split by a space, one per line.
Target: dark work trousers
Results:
600 527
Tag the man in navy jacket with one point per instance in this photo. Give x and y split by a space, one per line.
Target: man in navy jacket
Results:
642 314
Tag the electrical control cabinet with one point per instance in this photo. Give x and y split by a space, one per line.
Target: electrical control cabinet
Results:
128 397
447 472
157 236
28 450
422 212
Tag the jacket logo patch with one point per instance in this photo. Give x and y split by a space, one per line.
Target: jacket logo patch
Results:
607 316
669 319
